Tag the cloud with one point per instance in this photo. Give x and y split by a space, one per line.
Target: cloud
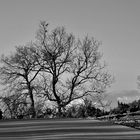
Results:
124 96
128 99
125 93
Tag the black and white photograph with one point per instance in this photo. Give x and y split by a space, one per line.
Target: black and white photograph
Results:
69 69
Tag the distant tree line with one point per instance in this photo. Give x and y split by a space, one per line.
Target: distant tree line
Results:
56 67
127 107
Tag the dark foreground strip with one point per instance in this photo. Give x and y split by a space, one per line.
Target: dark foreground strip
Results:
65 130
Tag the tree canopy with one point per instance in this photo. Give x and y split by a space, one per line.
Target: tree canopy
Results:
57 66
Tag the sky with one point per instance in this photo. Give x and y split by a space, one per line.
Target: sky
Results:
116 23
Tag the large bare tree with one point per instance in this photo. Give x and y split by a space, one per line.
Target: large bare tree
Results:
19 70
72 66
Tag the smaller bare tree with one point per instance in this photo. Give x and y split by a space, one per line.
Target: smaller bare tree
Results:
19 71
14 105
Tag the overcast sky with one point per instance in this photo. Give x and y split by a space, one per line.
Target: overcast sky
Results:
114 22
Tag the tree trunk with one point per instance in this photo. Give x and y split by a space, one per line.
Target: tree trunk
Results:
59 111
32 109
33 112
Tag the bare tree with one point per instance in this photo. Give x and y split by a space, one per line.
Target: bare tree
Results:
14 105
73 66
19 70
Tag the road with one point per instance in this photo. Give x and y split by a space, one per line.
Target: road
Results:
65 129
